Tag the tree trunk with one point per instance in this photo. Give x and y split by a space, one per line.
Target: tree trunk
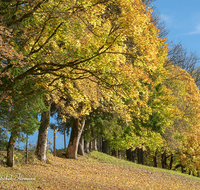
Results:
10 150
171 162
128 154
182 169
133 155
27 149
94 141
105 146
98 143
87 147
64 137
116 153
90 145
78 125
164 159
43 133
155 159
140 156
198 173
119 154
81 146
54 141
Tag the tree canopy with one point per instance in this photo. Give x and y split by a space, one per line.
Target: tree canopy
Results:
105 62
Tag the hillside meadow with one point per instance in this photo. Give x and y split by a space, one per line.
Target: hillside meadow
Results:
94 171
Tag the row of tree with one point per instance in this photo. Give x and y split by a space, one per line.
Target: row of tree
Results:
105 69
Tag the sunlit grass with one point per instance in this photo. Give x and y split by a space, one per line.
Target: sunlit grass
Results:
105 158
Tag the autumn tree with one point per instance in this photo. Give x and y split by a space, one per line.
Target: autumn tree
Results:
21 118
56 47
10 62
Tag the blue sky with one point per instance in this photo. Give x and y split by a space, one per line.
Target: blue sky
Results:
59 138
182 19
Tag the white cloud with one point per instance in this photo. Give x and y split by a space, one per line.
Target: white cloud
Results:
196 31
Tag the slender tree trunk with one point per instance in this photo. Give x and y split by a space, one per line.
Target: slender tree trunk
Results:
94 141
164 159
116 153
90 145
101 145
128 154
198 173
54 141
182 169
171 161
64 137
81 146
27 149
87 143
10 150
140 156
119 154
76 132
155 159
43 133
133 155
98 142
87 147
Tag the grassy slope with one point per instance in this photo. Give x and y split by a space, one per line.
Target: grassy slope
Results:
95 171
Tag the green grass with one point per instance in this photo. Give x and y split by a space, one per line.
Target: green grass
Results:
105 158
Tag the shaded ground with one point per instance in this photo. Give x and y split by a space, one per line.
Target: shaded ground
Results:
88 173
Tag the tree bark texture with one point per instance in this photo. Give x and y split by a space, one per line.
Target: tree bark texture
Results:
10 150
43 133
78 125
81 146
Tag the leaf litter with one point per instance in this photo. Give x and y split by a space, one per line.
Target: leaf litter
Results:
84 173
